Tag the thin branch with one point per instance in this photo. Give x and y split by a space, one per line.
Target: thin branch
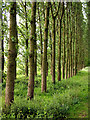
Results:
54 16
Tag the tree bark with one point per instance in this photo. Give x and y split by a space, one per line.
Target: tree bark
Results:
63 66
35 54
44 62
26 60
59 42
67 54
2 55
88 16
73 53
1 75
12 53
59 52
40 36
30 93
69 50
53 50
2 46
71 41
54 40
76 43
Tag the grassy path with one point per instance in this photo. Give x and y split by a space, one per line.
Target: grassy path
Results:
80 110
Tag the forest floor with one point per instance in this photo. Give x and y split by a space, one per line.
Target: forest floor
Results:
66 99
81 110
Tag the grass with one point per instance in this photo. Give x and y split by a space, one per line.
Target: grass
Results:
66 99
79 110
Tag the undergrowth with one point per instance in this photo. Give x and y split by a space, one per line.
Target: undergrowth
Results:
55 103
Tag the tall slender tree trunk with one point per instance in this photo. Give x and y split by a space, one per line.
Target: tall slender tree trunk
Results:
69 50
1 44
59 52
73 52
26 60
59 42
88 16
2 54
35 54
2 47
12 53
44 62
71 41
30 93
71 56
80 38
53 40
76 42
53 50
40 36
67 54
63 65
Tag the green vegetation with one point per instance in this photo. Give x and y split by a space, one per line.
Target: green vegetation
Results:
66 99
44 52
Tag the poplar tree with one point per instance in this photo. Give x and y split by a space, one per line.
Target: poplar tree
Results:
2 44
67 53
64 54
60 16
88 16
40 35
54 15
69 49
73 39
76 39
30 93
26 24
44 62
12 53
